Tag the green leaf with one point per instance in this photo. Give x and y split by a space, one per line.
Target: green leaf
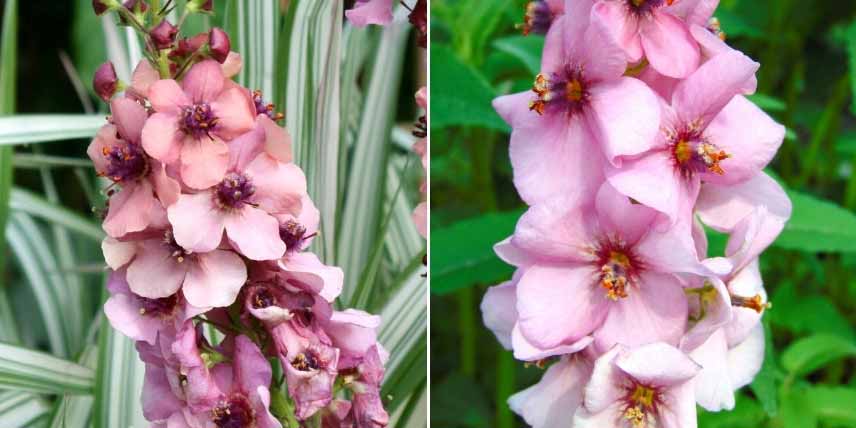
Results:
30 203
810 353
527 49
26 370
764 385
835 233
41 128
833 405
807 313
467 257
21 409
459 94
8 64
796 411
768 103
850 40
75 411
746 413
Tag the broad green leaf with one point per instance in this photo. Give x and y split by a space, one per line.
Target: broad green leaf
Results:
467 257
41 128
459 94
403 333
735 26
835 406
810 353
746 413
30 203
26 370
527 49
796 411
764 385
804 231
807 314
21 409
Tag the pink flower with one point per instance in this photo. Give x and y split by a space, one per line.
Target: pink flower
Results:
142 78
581 99
727 367
118 155
244 205
613 263
556 397
367 409
310 366
540 15
158 268
647 386
710 134
354 333
277 296
420 213
192 123
367 12
650 28
141 318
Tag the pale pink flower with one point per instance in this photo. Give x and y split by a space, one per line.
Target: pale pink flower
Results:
651 29
157 267
118 155
192 123
647 386
365 12
354 333
726 367
710 133
142 78
244 204
612 269
141 318
582 106
553 401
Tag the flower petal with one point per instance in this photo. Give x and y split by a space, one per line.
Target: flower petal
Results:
197 223
723 207
254 233
552 402
624 27
279 187
154 273
625 117
365 12
668 45
130 209
129 117
745 359
204 81
117 253
706 92
713 388
161 137
215 279
203 162
556 230
167 97
657 364
653 181
235 113
499 312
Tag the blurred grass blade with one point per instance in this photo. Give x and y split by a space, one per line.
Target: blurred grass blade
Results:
74 411
403 333
413 414
42 128
312 110
21 409
30 203
26 370
403 241
119 381
358 230
8 64
25 160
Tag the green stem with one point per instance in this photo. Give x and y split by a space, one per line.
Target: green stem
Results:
504 388
467 327
825 127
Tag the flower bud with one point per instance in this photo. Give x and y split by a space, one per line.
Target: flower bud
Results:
163 35
101 6
200 5
105 81
419 19
219 44
189 45
137 7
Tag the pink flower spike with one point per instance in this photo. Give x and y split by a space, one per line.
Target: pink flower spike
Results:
649 385
365 12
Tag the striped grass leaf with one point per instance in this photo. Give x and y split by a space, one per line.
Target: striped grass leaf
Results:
403 241
405 322
312 107
32 204
412 415
74 411
33 371
42 128
358 230
119 381
21 409
250 26
38 161
8 64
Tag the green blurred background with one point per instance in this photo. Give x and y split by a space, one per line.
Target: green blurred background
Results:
807 81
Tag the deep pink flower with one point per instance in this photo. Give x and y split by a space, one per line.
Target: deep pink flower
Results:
651 29
710 133
105 82
141 318
647 386
354 333
367 408
310 366
540 15
118 155
582 106
192 123
367 12
275 296
158 267
613 263
556 397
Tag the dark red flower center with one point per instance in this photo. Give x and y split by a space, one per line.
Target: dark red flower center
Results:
267 109
198 120
234 413
692 153
293 234
618 266
263 298
643 7
234 191
564 92
125 163
163 307
537 18
306 361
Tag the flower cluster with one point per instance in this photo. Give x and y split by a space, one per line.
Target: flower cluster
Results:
637 136
208 223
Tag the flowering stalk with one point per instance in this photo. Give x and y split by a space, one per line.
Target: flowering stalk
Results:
636 133
208 221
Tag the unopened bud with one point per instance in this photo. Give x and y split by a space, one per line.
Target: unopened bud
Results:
200 5
419 19
105 81
101 6
163 35
187 46
219 44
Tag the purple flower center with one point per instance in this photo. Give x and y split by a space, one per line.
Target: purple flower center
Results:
262 298
562 92
642 7
692 153
235 413
306 361
267 109
293 234
162 308
198 120
176 251
125 163
234 191
619 268
538 18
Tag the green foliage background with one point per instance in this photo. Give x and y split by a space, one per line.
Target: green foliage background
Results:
807 81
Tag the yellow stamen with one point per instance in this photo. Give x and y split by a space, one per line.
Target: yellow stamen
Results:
574 90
